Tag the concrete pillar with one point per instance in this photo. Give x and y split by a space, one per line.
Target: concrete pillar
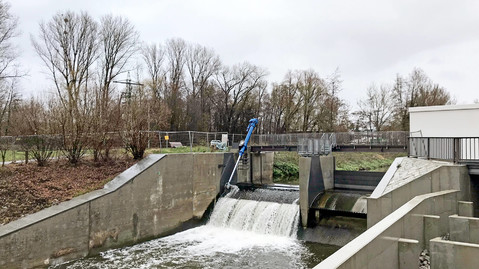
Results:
327 167
409 252
304 168
308 185
466 209
431 229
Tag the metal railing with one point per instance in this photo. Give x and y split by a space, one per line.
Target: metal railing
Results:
390 138
387 138
315 146
453 149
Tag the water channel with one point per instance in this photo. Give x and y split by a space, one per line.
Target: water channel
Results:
241 233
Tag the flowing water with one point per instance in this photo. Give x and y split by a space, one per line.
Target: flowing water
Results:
240 234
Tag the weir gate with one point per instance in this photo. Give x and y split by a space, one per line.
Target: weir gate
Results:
323 190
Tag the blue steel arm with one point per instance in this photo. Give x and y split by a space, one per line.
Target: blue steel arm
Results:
251 126
249 130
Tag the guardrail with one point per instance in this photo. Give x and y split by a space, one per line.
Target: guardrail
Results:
453 149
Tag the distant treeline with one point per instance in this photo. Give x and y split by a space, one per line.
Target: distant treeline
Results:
175 85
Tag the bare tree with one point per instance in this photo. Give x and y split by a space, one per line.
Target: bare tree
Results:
235 85
134 121
176 50
8 99
201 64
154 57
286 102
311 87
118 44
9 67
415 90
377 109
67 45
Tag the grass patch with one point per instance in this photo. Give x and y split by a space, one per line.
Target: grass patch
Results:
15 156
286 164
286 168
177 150
365 161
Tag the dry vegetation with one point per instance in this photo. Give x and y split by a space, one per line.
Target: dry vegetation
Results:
25 189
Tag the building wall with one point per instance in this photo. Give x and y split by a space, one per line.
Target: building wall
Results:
155 197
445 121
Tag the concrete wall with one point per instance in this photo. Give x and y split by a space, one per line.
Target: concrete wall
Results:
445 121
153 198
453 255
262 167
257 168
464 229
446 177
395 241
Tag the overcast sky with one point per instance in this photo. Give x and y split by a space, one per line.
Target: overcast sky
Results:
369 41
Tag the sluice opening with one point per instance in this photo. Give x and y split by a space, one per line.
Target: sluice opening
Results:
337 217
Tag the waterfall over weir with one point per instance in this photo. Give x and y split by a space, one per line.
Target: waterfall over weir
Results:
256 216
241 233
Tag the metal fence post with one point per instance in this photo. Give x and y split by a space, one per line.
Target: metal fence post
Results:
191 141
428 148
456 150
409 147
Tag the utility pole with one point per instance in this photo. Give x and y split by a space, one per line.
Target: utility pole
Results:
129 85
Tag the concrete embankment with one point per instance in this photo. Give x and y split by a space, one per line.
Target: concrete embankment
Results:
153 198
416 203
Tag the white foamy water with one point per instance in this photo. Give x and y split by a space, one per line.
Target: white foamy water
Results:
239 234
259 217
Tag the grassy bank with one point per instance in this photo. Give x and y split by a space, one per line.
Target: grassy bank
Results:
286 164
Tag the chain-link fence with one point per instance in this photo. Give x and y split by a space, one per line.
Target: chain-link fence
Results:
209 140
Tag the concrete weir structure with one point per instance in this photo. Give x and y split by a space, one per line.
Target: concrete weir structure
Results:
417 204
158 196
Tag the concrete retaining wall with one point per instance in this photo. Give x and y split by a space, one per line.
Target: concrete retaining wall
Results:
153 198
464 229
445 177
395 240
453 255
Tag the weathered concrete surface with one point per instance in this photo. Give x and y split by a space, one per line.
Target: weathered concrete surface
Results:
327 168
407 251
432 228
152 198
466 209
61 238
304 168
379 246
453 255
464 229
262 165
437 176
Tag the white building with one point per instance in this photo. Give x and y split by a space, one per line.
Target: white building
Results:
445 121
450 121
